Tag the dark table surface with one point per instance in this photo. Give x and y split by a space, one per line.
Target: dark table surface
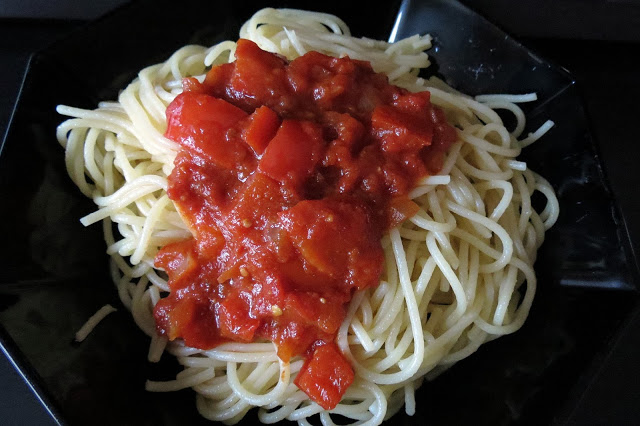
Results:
598 41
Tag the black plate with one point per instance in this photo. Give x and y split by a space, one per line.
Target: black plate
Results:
55 271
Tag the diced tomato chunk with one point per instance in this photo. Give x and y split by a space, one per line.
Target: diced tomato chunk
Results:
218 78
191 84
332 237
258 78
261 189
325 313
261 129
402 208
325 376
179 315
201 122
291 337
178 259
400 130
234 320
414 103
315 229
293 152
189 319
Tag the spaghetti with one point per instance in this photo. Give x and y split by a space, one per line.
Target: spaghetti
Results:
93 321
457 274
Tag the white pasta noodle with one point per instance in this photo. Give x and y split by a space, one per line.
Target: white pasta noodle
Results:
457 274
93 321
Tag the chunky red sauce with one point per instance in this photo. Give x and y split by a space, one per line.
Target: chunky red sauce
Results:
289 174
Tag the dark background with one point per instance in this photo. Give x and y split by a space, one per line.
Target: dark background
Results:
598 41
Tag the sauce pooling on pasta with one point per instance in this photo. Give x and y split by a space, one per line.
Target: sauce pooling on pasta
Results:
289 174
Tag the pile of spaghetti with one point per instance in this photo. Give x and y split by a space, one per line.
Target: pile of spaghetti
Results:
456 274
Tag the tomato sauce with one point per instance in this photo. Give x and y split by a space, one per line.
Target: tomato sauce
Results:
289 174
